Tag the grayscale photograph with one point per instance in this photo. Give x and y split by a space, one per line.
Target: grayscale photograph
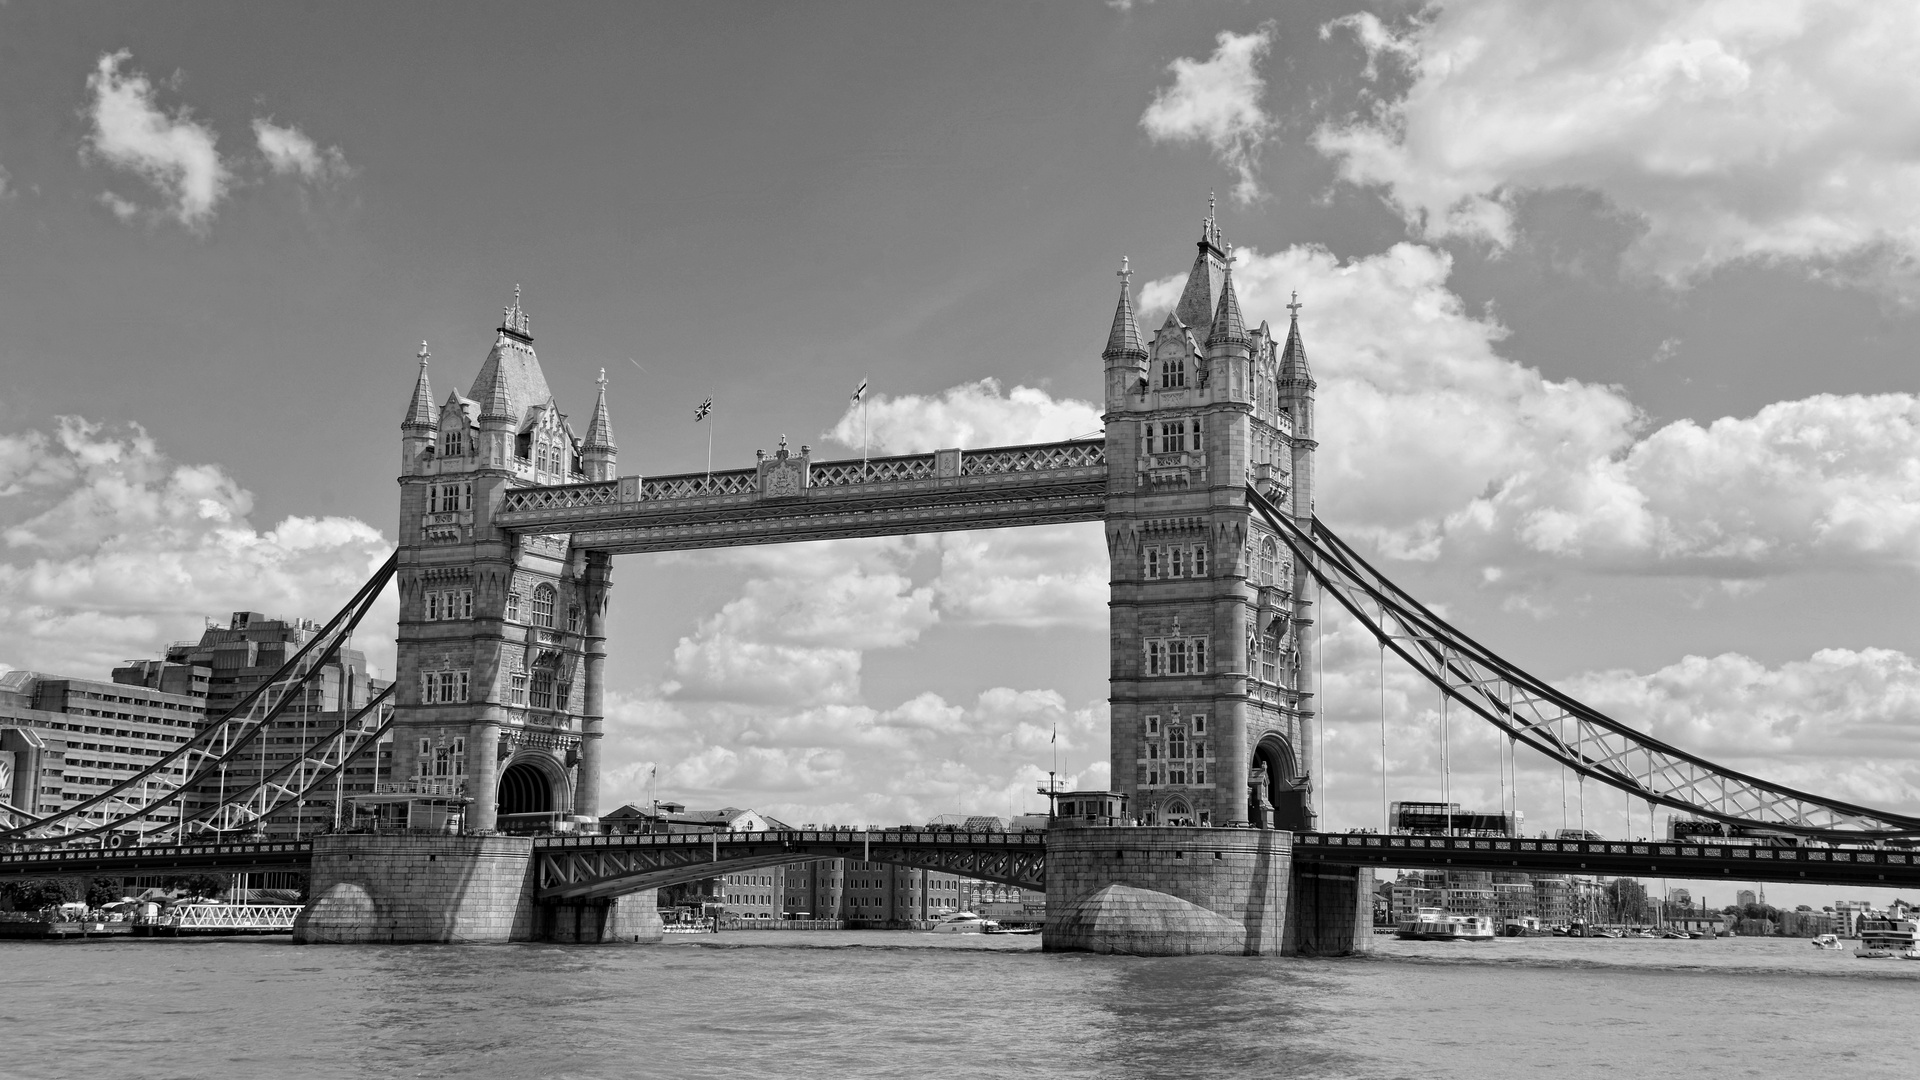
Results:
1018 539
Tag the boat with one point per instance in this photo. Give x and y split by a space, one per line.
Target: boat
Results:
1012 930
962 922
1676 935
1431 924
1826 941
1526 926
1911 954
1883 939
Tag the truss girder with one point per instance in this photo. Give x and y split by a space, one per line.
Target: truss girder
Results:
597 867
133 806
157 858
1534 713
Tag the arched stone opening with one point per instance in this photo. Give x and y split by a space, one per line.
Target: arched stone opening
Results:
1178 812
525 788
1274 799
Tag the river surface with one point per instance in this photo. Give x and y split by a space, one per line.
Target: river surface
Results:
883 1004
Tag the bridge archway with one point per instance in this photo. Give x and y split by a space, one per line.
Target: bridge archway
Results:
527 788
1285 800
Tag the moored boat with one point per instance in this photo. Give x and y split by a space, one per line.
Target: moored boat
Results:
1826 941
963 922
1431 924
1883 939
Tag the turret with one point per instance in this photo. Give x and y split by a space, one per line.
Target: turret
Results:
597 453
1126 353
418 429
1296 399
1228 347
500 413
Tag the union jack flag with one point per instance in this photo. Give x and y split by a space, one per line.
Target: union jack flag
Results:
701 412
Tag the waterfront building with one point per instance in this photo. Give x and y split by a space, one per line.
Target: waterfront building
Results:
1555 899
64 740
1743 897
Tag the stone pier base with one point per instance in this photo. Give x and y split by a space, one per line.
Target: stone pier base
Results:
465 890
1168 891
624 920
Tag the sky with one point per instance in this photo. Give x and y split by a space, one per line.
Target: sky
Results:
1611 306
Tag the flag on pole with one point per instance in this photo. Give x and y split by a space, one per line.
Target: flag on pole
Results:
701 411
860 392
1056 734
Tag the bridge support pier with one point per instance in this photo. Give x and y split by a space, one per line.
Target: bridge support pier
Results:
409 888
1170 891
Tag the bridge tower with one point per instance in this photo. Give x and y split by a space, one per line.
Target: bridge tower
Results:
501 641
1211 624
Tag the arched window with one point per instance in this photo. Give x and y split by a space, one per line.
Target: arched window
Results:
1173 371
1269 561
543 606
1270 655
1177 744
542 688
453 443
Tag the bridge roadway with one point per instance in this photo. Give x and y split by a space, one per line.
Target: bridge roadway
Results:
1891 867
584 867
592 867
158 859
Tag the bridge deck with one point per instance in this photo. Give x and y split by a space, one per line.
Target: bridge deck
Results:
1644 858
939 492
156 858
579 867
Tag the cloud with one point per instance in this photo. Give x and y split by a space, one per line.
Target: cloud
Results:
855 763
1731 130
109 550
1217 101
795 634
971 415
171 152
1432 442
1837 724
1049 576
290 152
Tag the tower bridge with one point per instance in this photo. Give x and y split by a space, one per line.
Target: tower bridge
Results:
1203 479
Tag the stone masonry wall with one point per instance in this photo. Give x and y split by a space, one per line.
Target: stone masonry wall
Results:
1159 891
370 889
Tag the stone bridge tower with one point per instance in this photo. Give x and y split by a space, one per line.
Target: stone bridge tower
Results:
501 640
1211 623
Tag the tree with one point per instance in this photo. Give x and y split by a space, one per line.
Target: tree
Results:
32 894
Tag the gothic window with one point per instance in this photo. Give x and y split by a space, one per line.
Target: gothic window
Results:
453 443
1200 726
1193 434
517 688
1199 560
1173 372
513 607
1269 560
523 445
543 606
1176 653
433 606
1177 562
573 620
1153 725
1176 744
1270 656
1197 654
542 689
1171 438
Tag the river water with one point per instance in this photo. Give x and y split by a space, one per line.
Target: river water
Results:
883 1004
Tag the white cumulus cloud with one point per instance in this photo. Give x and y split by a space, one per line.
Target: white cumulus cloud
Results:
1732 129
291 152
1217 101
172 152
969 416
109 550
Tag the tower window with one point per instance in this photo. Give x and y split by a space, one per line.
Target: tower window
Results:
1172 438
1193 434
1269 561
513 607
543 689
1176 656
1270 656
573 620
543 606
453 443
1173 372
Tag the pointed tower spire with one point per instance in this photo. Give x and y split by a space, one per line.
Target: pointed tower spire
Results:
1124 341
600 430
597 452
496 399
420 413
1228 327
1195 308
1293 356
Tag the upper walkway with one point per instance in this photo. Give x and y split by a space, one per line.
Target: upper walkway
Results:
788 498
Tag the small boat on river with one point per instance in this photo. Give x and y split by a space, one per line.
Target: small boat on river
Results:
1827 942
1882 939
963 922
1431 924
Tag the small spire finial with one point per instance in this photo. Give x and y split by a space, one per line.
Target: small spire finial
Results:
1295 306
603 378
423 354
1125 273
